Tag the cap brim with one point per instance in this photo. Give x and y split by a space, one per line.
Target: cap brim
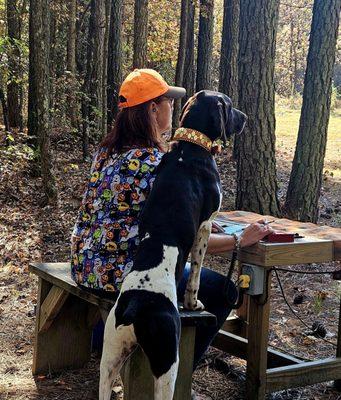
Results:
175 92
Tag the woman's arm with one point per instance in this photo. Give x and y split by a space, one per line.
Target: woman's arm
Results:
218 243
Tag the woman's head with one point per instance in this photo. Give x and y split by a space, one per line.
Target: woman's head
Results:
146 108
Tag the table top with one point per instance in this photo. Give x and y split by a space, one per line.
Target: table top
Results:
319 244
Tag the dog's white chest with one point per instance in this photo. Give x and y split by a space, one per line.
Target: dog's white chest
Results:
160 279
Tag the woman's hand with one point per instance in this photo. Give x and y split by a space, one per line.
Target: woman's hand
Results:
254 232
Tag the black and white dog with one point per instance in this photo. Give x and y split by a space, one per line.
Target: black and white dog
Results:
175 221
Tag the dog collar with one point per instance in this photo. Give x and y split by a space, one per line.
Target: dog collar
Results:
196 137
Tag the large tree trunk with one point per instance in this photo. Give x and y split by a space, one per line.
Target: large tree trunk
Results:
40 28
180 65
92 104
14 61
256 163
306 174
228 70
205 45
140 34
71 61
189 68
114 59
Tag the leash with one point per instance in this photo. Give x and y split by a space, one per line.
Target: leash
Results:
241 291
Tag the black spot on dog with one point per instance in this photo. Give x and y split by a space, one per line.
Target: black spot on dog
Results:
200 252
146 277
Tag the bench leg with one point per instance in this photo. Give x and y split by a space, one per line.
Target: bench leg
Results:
138 380
67 342
258 344
337 383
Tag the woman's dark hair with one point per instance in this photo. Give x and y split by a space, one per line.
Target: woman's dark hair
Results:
133 127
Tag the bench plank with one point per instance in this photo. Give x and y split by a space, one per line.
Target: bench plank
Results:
59 275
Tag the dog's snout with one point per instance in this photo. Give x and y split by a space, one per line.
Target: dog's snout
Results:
239 120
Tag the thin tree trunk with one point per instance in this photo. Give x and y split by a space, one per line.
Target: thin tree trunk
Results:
140 34
40 24
71 61
105 68
205 45
114 59
256 164
189 67
306 174
92 104
228 71
180 65
32 82
14 61
4 107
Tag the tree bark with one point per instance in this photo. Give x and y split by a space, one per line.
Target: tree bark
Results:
189 67
14 61
32 81
180 65
92 103
306 174
256 163
228 70
140 34
114 59
40 29
205 45
71 61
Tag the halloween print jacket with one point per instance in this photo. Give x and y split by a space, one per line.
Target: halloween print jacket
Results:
105 236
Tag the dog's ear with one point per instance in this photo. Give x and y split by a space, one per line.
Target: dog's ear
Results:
218 115
185 109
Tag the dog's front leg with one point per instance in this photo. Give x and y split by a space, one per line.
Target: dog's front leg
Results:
198 251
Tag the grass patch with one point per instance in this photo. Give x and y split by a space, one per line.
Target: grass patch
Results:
287 122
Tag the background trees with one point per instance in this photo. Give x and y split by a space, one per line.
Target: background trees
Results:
94 43
256 164
306 175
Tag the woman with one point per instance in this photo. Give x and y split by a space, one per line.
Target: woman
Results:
105 236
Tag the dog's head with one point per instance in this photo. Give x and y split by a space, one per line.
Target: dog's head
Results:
212 114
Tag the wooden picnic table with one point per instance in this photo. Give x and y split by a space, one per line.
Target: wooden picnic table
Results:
246 335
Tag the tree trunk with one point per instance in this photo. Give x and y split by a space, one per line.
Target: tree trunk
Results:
180 65
114 59
92 104
14 61
4 107
306 174
40 28
205 45
140 34
228 70
32 82
256 163
189 68
105 68
71 61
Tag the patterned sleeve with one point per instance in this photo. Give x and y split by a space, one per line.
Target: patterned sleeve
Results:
142 165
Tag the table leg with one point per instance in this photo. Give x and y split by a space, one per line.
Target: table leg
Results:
337 383
259 311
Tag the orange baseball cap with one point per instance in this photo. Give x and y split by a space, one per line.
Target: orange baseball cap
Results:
143 85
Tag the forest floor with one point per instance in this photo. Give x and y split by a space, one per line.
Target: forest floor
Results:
31 231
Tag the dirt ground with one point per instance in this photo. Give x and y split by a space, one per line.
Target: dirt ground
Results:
32 231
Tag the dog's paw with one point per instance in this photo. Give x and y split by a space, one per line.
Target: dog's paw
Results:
193 304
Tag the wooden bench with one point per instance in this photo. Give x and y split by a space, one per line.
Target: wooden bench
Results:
65 318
